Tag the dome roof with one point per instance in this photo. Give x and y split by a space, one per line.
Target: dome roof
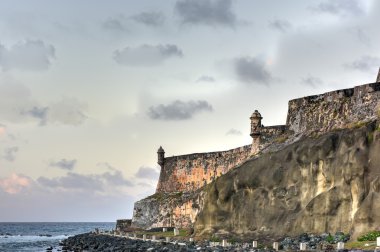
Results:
256 114
161 149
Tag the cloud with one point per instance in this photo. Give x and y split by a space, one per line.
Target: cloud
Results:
73 181
178 110
10 153
252 70
116 178
153 18
342 8
15 183
366 63
28 55
362 36
147 173
3 129
17 105
116 24
233 132
88 182
311 81
205 78
21 200
68 111
206 12
146 55
39 113
280 25
64 164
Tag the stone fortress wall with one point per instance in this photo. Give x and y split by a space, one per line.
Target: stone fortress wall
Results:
318 113
191 172
334 110
178 201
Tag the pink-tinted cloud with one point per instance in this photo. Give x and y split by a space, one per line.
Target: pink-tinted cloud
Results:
15 183
2 130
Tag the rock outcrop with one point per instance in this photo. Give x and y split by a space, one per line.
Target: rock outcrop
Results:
318 173
325 184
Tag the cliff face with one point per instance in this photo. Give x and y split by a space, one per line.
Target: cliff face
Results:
318 173
168 210
324 184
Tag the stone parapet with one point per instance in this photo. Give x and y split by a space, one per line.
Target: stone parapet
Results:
193 171
334 110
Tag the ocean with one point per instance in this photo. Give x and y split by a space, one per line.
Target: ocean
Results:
37 236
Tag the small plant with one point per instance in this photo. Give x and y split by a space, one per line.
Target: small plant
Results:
281 139
370 137
370 236
215 238
357 125
232 240
330 238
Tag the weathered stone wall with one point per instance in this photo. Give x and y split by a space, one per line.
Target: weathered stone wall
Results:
334 110
310 166
191 172
271 133
168 210
319 184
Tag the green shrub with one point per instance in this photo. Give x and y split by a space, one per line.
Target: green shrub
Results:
330 238
215 238
370 137
370 236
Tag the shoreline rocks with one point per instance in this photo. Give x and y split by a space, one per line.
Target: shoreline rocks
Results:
106 242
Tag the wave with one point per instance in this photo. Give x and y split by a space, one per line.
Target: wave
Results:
30 238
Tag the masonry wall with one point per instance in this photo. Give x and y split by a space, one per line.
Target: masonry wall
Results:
191 172
334 110
271 133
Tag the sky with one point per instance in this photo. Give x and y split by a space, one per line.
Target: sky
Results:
90 89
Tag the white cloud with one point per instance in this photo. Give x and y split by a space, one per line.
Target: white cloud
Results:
178 110
206 12
146 55
28 55
252 70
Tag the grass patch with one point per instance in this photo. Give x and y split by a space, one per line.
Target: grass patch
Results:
363 245
281 139
370 236
356 125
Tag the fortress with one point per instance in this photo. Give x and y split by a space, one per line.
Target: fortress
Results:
180 191
311 114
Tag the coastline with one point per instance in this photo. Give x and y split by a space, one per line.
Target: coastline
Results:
130 242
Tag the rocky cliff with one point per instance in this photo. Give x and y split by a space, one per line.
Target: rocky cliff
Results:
317 184
318 173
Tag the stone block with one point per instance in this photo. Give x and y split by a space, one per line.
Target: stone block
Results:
378 241
144 237
254 244
164 229
340 246
224 243
302 246
176 231
275 246
153 238
167 239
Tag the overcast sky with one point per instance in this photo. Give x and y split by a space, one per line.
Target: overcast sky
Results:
90 89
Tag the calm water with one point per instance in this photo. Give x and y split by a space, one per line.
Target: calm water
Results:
37 236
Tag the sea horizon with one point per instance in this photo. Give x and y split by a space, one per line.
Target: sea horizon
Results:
38 236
